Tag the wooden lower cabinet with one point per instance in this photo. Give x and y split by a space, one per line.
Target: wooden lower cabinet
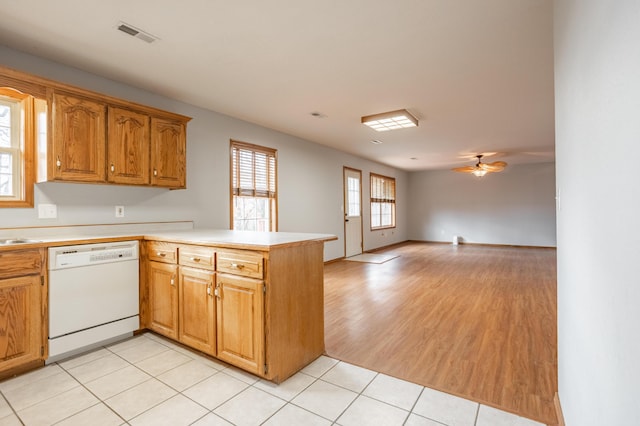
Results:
240 322
260 310
163 298
22 310
197 309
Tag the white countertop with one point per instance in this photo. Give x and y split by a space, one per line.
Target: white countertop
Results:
182 232
239 238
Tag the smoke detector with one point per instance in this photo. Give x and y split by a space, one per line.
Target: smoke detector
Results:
136 32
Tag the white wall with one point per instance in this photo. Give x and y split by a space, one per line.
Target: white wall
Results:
597 80
516 206
309 175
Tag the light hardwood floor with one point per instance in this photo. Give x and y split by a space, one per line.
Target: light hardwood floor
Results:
474 321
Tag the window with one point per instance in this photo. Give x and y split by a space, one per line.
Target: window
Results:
253 187
19 115
383 202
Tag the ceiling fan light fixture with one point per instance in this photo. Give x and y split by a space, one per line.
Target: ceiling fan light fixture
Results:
480 169
392 120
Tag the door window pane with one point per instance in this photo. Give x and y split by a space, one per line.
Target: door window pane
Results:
353 196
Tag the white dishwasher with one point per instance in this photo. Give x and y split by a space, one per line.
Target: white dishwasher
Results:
93 296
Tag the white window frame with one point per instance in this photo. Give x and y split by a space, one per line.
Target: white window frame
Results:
24 133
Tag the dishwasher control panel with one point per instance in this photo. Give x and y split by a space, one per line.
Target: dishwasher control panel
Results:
92 254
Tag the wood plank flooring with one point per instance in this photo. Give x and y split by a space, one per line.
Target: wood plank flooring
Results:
474 321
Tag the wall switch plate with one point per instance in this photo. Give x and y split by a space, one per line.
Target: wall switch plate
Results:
47 211
119 211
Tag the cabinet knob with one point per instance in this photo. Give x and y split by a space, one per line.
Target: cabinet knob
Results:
113 168
58 162
237 265
155 172
161 254
195 259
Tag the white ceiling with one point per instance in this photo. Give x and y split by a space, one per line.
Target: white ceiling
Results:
477 74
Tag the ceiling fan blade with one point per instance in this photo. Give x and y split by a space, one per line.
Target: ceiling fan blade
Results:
466 169
494 167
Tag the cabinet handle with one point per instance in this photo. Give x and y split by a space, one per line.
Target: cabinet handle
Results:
155 172
173 280
217 291
113 168
58 163
161 254
195 259
237 265
209 290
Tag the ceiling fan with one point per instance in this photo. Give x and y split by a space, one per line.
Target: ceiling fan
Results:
481 169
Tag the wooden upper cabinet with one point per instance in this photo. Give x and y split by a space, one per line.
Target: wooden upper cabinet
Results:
96 138
168 153
78 139
128 147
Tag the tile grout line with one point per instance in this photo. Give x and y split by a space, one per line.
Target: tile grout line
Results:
103 402
89 390
208 411
289 402
156 378
15 413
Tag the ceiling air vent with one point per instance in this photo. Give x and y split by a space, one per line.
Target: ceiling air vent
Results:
135 32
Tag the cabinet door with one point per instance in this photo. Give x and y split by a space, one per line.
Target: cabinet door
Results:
163 298
20 321
168 153
128 147
78 139
197 309
240 324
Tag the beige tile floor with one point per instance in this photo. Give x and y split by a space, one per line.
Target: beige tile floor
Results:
148 380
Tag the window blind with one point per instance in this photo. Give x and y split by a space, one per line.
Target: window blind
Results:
253 170
383 202
383 189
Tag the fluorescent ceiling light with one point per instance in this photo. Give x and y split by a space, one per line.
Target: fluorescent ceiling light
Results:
392 120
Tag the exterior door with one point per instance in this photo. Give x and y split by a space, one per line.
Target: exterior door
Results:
352 212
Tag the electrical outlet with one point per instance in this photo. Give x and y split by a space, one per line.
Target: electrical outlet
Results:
47 211
119 211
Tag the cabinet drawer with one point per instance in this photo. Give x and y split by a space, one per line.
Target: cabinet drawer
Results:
20 263
240 262
162 252
196 256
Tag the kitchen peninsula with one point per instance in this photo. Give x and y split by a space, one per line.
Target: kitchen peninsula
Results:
251 299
